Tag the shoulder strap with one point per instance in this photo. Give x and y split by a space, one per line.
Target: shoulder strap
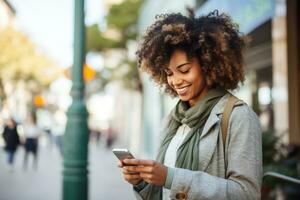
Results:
232 100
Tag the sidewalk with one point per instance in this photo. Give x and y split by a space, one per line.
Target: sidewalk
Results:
105 178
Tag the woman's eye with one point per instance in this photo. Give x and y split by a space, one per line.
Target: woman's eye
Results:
185 71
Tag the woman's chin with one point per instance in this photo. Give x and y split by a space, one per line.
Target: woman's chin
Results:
183 98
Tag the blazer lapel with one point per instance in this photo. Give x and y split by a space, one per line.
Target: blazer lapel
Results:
207 148
210 134
211 121
208 142
213 117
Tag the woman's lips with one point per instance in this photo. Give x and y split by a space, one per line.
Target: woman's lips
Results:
182 91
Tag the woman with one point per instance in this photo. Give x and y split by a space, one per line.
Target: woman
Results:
198 60
12 140
31 134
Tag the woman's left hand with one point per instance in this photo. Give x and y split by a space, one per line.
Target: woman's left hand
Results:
150 171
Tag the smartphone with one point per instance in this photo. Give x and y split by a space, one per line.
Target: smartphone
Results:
122 153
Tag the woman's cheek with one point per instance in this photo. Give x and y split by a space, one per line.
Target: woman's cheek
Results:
169 82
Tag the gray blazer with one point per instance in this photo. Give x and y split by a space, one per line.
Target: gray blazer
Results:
243 155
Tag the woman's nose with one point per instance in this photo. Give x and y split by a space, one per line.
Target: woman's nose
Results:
177 80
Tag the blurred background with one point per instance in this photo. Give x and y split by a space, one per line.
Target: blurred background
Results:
125 107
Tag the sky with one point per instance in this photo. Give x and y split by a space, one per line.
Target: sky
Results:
49 24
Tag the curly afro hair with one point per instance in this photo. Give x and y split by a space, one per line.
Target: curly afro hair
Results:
213 39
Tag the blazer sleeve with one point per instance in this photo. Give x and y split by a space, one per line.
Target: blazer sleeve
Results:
244 169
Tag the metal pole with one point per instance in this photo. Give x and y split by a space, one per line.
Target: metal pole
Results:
282 177
75 144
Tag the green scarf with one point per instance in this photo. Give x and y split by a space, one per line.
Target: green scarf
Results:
188 153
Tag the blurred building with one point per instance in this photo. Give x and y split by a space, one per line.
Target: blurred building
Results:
7 17
7 13
271 62
17 95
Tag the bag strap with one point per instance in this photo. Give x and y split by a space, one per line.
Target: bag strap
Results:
232 100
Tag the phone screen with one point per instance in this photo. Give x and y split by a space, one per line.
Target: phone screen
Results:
122 154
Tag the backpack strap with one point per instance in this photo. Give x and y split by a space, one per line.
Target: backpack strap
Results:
231 102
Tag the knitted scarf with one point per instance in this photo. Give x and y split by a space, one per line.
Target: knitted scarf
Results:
188 152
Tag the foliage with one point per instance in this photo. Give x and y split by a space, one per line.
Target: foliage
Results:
96 41
269 141
276 158
20 59
124 17
121 27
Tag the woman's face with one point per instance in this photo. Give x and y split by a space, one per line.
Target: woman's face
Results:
186 78
10 123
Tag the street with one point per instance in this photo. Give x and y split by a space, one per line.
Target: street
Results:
45 183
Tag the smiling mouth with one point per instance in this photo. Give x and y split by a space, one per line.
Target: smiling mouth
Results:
182 91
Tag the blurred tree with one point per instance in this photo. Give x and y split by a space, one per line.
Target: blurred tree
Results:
20 59
121 28
96 41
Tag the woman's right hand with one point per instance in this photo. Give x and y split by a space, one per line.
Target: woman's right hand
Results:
130 177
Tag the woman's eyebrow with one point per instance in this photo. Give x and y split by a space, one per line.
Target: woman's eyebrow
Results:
181 65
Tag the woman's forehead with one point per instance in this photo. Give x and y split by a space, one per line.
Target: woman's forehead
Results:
178 57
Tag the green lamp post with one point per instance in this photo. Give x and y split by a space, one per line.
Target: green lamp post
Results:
75 143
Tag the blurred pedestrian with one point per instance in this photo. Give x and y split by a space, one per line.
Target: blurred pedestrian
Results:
95 135
12 140
58 134
31 133
48 131
199 59
98 136
110 137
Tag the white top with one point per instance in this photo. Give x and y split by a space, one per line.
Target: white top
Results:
171 153
31 131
